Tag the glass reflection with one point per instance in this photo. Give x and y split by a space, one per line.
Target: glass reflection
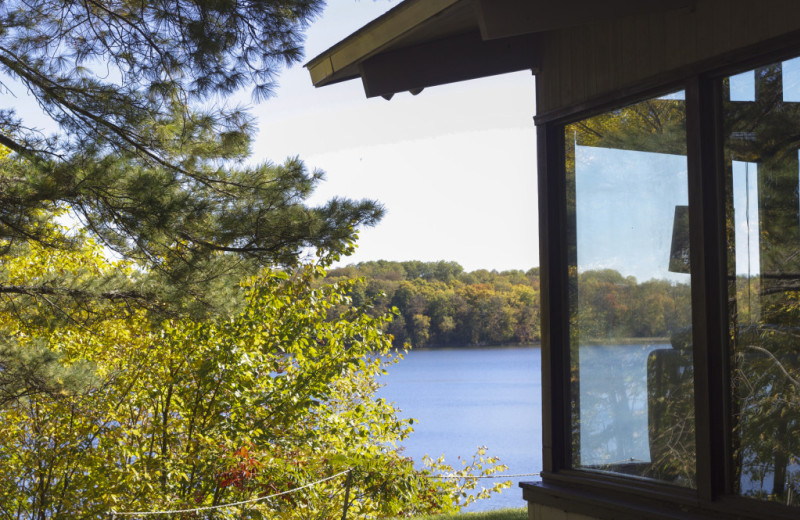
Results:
763 230
791 80
630 306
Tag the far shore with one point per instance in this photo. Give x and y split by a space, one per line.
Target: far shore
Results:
537 344
462 347
626 341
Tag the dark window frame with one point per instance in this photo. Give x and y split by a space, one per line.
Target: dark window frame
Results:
602 495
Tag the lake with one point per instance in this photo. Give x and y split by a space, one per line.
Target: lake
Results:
469 397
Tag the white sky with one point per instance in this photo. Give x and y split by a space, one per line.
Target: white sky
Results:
454 166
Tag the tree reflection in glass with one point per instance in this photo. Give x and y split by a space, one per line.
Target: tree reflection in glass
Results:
632 407
762 138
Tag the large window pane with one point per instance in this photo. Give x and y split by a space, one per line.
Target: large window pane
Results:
632 407
763 230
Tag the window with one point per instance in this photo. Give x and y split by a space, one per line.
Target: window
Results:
762 139
674 371
631 371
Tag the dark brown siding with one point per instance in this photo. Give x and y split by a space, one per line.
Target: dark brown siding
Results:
595 61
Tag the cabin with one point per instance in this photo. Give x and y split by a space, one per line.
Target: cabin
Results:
668 138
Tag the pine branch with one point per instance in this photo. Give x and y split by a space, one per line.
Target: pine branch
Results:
47 290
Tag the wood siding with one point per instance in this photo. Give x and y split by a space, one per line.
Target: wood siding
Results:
591 62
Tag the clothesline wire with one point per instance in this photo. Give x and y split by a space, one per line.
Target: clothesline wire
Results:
233 504
114 514
452 476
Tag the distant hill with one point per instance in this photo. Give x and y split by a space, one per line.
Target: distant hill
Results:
440 305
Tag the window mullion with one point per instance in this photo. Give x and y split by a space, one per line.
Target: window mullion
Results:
709 287
554 308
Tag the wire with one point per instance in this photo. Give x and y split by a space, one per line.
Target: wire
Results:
244 502
484 476
312 484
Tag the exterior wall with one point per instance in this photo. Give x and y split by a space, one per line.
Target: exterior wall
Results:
540 512
589 62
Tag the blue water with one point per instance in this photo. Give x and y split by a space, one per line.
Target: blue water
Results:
470 397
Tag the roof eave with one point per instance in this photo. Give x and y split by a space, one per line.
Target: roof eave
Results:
422 43
341 62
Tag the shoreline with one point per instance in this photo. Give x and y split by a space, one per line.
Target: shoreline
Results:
626 341
484 347
537 344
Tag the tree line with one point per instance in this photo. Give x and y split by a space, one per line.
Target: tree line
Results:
438 304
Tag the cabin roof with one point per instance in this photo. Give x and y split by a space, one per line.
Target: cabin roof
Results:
422 43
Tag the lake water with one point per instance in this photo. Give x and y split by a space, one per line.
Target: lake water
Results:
465 398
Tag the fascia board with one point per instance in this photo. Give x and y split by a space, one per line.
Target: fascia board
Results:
341 61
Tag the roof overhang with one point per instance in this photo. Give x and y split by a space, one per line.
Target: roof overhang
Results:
422 43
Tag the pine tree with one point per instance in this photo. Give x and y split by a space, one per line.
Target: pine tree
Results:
141 160
150 156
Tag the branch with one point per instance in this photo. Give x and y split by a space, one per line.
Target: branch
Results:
42 290
794 381
50 87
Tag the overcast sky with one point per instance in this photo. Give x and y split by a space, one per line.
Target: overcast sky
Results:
454 166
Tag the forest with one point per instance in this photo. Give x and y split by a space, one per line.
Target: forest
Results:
438 304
